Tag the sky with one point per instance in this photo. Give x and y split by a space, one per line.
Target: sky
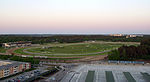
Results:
75 16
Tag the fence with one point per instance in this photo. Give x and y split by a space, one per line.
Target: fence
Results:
126 62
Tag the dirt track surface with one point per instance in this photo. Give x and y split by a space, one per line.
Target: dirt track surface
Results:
91 58
10 51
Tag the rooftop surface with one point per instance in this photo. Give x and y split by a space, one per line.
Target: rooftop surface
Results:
79 73
5 64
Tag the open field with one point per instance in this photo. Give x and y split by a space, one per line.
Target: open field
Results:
120 73
72 49
2 50
20 51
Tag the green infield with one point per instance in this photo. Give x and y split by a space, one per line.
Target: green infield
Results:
72 49
20 51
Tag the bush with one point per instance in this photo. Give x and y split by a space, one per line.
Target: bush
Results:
132 52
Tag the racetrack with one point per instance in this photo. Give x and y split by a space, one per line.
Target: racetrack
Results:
96 51
26 51
71 49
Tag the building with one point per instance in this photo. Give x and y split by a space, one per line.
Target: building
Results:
127 36
108 73
116 35
8 68
17 44
131 36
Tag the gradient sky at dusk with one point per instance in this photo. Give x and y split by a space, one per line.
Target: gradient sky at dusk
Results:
75 16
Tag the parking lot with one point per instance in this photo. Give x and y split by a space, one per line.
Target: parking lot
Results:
79 73
26 76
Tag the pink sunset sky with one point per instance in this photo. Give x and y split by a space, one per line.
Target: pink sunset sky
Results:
75 16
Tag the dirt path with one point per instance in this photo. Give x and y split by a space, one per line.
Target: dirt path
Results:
91 58
10 51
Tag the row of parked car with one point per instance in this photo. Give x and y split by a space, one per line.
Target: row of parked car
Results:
24 78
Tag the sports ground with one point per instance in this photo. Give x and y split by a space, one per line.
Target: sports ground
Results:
70 52
72 49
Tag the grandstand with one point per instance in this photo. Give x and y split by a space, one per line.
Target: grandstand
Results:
108 73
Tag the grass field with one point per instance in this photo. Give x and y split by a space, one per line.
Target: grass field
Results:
2 50
72 49
20 51
76 55
75 49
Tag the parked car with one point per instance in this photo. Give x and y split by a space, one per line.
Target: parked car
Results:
27 76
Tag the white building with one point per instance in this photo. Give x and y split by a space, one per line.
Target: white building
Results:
17 44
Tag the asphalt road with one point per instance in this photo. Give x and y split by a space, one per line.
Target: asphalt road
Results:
57 77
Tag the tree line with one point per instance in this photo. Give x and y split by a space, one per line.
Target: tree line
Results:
65 38
18 58
132 52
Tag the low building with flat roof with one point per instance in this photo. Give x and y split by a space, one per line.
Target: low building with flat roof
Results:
17 44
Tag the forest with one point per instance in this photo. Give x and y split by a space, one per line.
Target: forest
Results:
132 52
40 39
